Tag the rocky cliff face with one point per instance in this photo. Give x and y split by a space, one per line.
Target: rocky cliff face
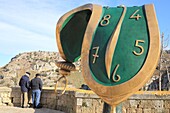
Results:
44 63
34 62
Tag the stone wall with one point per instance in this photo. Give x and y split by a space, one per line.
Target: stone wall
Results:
152 102
82 101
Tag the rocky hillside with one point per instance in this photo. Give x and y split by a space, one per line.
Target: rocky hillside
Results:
162 69
44 63
35 62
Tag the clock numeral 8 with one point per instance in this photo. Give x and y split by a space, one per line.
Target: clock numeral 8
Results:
105 20
139 46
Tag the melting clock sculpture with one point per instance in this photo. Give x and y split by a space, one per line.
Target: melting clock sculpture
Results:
119 47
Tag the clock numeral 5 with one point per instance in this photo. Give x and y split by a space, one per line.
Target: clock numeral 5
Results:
135 16
139 46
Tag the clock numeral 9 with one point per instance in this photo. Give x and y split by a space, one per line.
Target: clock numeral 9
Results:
139 46
106 20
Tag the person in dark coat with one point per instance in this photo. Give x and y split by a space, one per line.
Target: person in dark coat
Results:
24 83
36 86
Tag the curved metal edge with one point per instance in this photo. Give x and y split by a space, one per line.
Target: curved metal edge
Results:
56 85
115 94
62 20
112 44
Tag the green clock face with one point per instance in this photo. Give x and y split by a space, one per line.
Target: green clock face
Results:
130 50
119 47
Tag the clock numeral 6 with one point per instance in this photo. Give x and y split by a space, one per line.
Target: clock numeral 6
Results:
105 20
116 77
139 46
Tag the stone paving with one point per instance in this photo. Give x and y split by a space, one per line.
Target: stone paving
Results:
8 109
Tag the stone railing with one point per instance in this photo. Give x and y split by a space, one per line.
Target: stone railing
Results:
82 101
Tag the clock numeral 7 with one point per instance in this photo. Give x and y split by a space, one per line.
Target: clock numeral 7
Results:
139 46
95 56
135 16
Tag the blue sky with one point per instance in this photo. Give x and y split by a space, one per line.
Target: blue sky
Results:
29 25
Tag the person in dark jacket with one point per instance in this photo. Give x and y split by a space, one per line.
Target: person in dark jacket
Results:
36 86
24 83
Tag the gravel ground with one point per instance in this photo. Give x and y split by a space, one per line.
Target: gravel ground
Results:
7 109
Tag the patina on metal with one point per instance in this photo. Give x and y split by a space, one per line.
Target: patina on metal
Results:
119 47
65 68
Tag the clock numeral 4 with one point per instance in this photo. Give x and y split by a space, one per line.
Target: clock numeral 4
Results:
135 16
139 46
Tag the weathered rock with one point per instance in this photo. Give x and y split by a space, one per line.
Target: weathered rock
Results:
35 62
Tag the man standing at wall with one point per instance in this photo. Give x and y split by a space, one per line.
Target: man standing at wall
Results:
36 86
24 83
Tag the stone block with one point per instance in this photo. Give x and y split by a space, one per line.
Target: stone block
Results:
167 103
53 101
43 101
139 110
5 95
97 105
60 102
79 109
9 94
16 94
133 103
166 111
16 100
17 104
10 104
160 110
86 94
79 101
44 95
146 104
52 96
51 106
45 106
96 109
6 100
131 110
0 101
1 94
158 104
89 110
147 110
88 102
